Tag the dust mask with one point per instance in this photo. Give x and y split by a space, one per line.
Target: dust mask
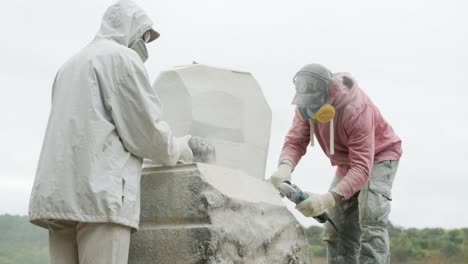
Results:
140 48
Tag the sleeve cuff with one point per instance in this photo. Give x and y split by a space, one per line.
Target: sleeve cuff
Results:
287 162
339 192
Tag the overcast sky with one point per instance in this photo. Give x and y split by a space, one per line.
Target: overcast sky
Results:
409 56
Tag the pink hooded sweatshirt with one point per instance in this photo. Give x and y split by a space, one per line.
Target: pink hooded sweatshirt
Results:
361 137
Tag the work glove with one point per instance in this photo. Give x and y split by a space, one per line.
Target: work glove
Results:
316 204
283 173
202 150
186 155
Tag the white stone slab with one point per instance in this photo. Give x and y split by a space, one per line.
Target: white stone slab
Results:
226 106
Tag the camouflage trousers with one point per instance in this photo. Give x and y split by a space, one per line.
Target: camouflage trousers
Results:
362 221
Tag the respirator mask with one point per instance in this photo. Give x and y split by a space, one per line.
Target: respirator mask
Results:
311 98
139 46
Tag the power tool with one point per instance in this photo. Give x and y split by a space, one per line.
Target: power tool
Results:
296 195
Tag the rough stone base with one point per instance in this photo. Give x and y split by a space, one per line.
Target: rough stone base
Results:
200 213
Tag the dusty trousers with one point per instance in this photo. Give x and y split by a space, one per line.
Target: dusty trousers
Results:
88 243
362 221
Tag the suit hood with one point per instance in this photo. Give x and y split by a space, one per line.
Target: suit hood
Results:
124 22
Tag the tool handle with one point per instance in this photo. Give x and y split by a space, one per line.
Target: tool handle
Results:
322 218
297 196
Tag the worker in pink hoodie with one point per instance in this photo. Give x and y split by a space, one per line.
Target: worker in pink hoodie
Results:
362 145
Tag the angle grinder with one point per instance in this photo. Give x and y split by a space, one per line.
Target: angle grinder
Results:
296 195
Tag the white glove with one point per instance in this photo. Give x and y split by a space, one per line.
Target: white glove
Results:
202 150
316 204
186 154
282 174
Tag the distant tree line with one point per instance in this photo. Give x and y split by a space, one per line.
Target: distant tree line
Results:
22 242
410 246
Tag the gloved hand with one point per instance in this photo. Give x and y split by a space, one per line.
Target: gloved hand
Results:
282 174
186 154
316 204
202 150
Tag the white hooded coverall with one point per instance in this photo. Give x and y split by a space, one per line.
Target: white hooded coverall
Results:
104 119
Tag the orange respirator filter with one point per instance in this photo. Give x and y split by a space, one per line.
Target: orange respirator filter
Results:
325 114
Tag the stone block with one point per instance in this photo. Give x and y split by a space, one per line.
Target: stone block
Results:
200 213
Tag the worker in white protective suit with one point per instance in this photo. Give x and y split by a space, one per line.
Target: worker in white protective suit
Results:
104 119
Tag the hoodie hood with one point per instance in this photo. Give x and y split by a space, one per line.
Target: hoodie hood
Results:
125 22
347 89
346 92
